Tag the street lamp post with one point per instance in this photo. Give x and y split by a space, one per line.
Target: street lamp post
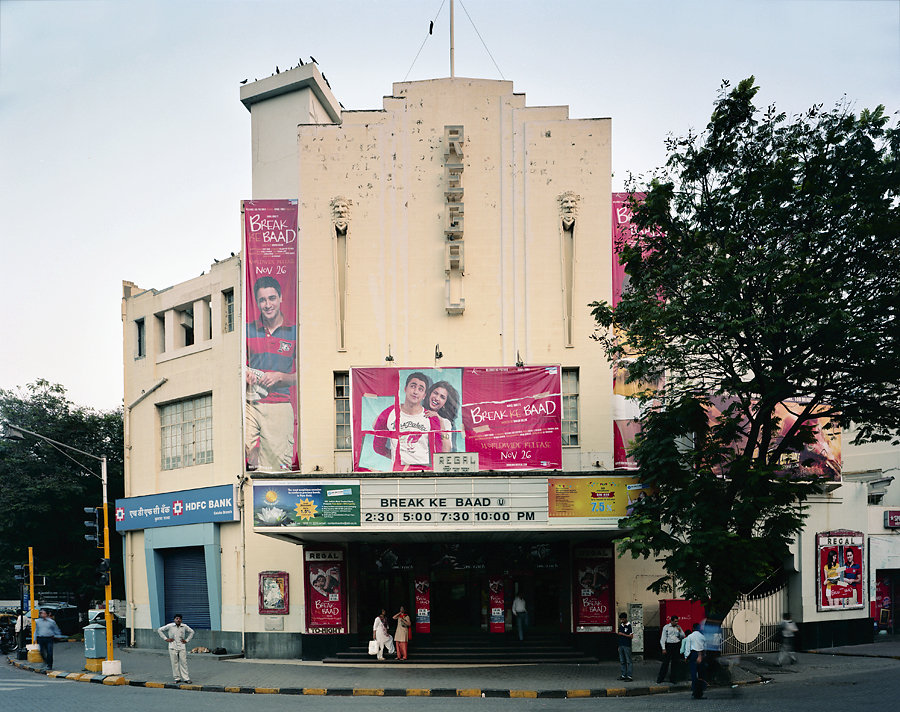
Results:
110 666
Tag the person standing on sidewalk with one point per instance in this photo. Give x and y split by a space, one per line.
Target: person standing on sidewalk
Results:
670 643
693 647
788 630
520 611
178 635
625 634
46 631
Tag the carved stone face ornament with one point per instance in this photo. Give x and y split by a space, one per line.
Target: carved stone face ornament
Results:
340 213
568 208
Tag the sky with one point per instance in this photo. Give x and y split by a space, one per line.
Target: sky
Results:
125 151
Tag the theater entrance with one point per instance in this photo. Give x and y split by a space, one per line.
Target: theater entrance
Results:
456 577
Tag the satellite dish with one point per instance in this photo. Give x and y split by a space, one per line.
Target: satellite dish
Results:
746 625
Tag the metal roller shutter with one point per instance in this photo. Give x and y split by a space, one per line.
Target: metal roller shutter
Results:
185 586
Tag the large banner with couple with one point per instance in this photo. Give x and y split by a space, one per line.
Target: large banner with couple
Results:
403 417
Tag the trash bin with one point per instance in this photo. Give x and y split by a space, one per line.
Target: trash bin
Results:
95 641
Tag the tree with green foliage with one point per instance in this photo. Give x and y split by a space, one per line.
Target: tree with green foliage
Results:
764 270
44 490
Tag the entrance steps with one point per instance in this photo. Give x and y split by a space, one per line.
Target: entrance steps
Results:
483 649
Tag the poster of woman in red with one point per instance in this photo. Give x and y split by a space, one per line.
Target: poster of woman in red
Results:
270 375
324 591
591 590
840 570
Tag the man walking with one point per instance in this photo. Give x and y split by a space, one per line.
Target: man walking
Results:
670 643
46 630
788 630
178 635
625 634
693 647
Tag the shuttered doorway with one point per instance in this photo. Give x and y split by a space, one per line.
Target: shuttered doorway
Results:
184 571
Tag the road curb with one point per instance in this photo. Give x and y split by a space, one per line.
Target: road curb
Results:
636 691
853 655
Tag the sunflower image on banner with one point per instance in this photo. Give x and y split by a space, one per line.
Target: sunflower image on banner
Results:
276 504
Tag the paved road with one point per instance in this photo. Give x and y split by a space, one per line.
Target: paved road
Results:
818 682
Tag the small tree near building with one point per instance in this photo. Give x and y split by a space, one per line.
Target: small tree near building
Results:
765 273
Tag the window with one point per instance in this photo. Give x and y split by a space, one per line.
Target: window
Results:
186 433
140 347
228 315
341 410
570 407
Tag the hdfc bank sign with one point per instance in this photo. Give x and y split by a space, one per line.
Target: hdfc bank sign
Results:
196 506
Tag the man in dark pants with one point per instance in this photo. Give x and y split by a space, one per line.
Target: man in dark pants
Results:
670 643
693 650
45 631
625 634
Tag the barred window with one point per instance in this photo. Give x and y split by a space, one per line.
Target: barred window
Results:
341 410
570 407
228 315
186 433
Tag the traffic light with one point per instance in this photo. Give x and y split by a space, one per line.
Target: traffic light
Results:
20 573
103 572
92 525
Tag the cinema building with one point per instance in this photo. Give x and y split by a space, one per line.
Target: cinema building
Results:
287 473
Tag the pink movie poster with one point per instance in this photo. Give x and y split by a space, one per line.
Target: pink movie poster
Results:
270 310
324 576
591 590
626 412
403 417
497 605
423 604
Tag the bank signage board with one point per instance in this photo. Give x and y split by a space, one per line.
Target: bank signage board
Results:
169 509
509 417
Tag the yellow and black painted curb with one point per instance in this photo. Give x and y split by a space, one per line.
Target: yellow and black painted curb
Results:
635 691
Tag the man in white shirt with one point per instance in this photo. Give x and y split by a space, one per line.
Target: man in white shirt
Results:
670 643
788 630
693 647
177 635
521 613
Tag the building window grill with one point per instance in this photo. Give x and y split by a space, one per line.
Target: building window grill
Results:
341 410
570 407
186 433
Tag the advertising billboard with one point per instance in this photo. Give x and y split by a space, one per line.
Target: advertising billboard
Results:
592 602
270 322
509 416
305 504
840 571
588 499
325 591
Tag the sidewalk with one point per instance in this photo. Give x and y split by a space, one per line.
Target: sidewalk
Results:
151 668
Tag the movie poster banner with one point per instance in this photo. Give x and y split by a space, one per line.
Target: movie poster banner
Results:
626 412
592 602
270 310
497 605
840 570
274 593
589 499
403 417
325 591
423 604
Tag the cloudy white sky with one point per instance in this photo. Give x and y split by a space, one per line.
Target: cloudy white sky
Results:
125 152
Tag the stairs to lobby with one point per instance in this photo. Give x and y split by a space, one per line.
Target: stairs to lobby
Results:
483 649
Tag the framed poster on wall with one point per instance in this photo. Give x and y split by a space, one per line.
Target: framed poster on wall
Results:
840 573
274 598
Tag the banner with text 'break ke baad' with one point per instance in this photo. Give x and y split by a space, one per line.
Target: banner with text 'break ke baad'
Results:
270 311
403 417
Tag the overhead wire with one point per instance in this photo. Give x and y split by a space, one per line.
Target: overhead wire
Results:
427 35
484 44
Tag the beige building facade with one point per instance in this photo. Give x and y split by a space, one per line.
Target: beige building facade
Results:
455 226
